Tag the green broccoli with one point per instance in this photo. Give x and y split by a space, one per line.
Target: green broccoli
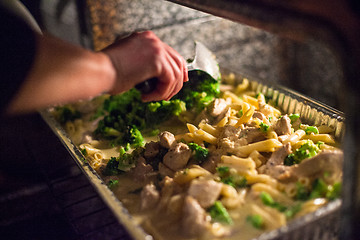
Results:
67 113
219 213
111 168
123 163
264 127
269 201
319 189
311 129
126 116
200 153
302 193
199 92
307 150
228 178
294 117
135 138
334 191
126 112
288 211
256 221
322 190
112 183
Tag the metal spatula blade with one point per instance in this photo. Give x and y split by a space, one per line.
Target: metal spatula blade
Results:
204 60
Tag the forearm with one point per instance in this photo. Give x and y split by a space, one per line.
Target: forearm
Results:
62 73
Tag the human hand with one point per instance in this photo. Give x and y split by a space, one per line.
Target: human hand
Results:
142 56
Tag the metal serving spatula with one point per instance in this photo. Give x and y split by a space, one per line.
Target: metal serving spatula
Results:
204 61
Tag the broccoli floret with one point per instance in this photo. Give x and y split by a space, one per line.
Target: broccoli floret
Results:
200 153
126 116
111 168
219 213
228 178
123 163
322 190
199 92
302 193
256 221
112 183
158 112
126 111
67 113
307 150
126 160
288 211
294 117
264 127
269 201
223 170
334 191
121 111
135 138
311 129
319 189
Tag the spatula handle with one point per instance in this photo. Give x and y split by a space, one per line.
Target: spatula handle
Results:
147 86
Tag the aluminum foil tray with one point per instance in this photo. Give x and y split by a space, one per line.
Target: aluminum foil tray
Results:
323 224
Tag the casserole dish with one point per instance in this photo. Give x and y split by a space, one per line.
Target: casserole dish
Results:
320 224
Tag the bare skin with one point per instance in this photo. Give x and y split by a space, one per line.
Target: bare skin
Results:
63 73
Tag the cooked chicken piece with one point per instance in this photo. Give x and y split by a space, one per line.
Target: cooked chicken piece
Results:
165 171
277 157
228 135
206 192
229 131
151 149
252 134
226 113
211 162
194 220
265 109
149 197
177 157
166 139
282 125
217 107
259 115
229 138
142 171
275 165
87 137
327 161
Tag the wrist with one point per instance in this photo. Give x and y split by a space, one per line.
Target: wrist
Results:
108 72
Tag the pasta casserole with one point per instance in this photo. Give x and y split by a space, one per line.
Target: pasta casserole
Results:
228 166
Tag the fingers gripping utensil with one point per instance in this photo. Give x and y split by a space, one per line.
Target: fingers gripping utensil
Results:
204 61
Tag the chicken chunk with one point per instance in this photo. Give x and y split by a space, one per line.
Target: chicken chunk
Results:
151 149
217 107
206 192
283 125
166 139
327 161
252 134
211 162
142 171
194 220
275 165
149 197
177 157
